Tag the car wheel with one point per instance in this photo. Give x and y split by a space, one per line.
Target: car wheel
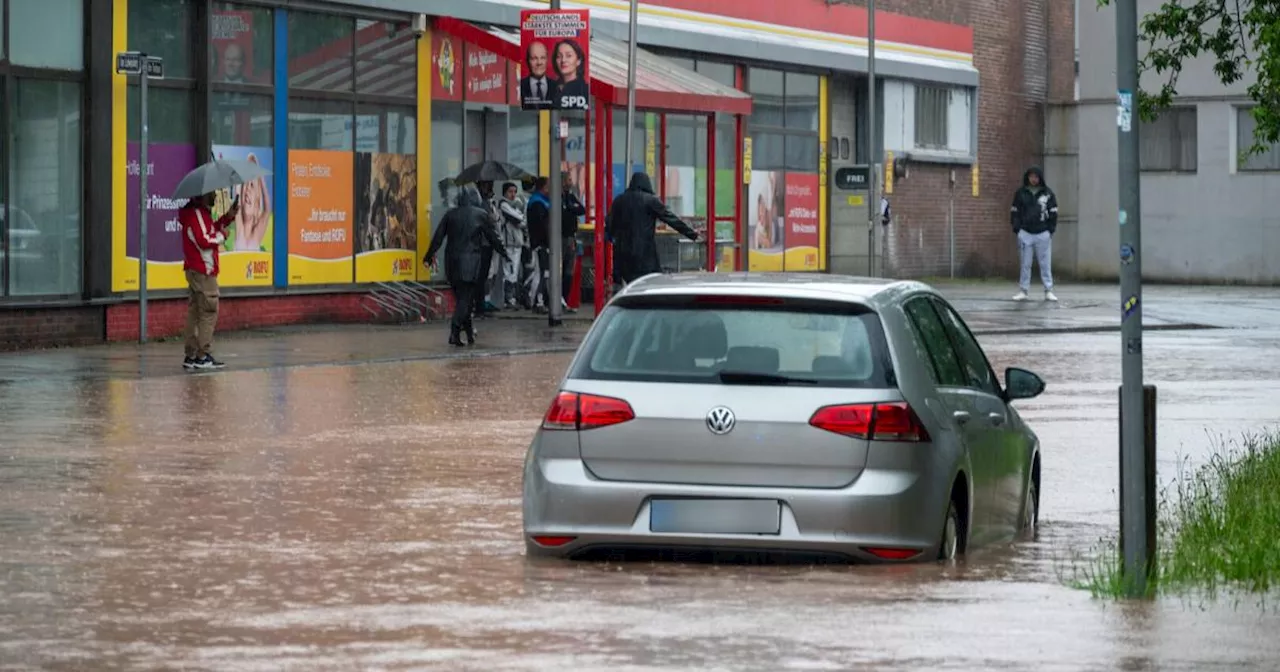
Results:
949 546
1031 510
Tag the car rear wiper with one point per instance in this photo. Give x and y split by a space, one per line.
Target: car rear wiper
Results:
749 378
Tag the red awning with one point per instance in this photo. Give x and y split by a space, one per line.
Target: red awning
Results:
660 84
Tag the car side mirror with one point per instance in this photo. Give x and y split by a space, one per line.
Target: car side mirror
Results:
1022 384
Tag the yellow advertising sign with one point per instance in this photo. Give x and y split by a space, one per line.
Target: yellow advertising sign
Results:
822 164
888 172
856 200
974 174
746 160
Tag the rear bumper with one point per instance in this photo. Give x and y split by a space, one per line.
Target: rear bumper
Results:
883 508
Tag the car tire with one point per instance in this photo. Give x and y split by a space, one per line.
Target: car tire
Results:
949 544
1031 510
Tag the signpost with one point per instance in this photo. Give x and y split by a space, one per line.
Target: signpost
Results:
145 68
1135 490
872 151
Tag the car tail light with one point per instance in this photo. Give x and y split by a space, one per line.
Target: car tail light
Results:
877 422
551 541
573 411
893 553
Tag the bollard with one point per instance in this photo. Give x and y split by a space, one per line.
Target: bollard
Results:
1149 476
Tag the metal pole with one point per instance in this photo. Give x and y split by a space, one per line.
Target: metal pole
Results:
1132 460
873 152
951 221
631 87
142 200
555 254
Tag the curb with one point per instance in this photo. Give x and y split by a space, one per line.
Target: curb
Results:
1189 326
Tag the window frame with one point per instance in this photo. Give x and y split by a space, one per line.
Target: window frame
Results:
1176 139
935 367
10 73
1242 166
958 330
938 95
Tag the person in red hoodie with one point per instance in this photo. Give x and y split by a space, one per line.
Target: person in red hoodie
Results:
201 237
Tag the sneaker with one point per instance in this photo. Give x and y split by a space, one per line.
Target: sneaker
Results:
1020 296
189 363
208 362
1050 296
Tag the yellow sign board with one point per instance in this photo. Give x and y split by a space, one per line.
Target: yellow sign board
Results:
746 160
888 172
822 164
974 173
856 200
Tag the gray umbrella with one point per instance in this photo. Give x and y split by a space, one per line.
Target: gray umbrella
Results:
218 175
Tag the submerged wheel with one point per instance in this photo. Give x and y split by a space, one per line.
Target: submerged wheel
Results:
950 543
1031 509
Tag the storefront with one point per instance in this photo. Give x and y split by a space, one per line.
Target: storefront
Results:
361 118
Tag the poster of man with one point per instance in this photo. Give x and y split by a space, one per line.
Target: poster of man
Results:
556 46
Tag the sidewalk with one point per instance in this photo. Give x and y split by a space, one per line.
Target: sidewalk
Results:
986 306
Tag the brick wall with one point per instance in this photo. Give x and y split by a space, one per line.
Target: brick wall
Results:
22 328
1010 137
167 317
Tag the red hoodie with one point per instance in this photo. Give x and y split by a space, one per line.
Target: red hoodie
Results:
201 236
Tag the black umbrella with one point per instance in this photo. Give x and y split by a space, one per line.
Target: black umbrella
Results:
492 171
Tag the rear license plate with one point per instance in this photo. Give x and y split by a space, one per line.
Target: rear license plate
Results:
715 516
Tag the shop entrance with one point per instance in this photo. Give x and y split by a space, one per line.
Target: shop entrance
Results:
485 132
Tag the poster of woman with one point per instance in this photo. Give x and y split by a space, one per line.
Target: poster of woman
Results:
247 249
563 38
763 213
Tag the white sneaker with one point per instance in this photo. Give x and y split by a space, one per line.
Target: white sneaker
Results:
1050 296
1020 296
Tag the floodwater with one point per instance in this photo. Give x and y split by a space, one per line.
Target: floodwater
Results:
368 517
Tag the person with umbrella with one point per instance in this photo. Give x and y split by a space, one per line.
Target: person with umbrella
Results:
202 235
466 229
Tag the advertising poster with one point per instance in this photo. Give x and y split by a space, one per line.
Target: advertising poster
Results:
446 68
486 77
231 46
167 164
246 254
320 217
765 214
556 46
386 224
801 222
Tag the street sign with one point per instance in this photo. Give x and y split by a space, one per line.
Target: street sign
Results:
853 178
131 63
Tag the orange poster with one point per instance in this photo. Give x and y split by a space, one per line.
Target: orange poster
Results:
321 240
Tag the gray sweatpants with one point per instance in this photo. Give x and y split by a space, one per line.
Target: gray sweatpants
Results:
1041 246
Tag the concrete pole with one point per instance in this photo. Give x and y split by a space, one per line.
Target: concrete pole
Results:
873 152
631 88
1133 467
554 241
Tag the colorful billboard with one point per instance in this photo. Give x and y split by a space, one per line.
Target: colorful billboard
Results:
446 71
800 239
556 45
320 217
167 164
386 224
782 221
231 48
486 76
246 253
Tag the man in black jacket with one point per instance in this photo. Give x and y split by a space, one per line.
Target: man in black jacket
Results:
538 218
1034 218
571 209
469 234
631 225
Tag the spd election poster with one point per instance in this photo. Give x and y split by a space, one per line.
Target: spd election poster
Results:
556 45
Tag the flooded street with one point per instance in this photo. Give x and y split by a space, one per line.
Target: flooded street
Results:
368 517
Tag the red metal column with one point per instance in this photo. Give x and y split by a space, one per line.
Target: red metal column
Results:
608 193
711 192
739 213
597 248
662 157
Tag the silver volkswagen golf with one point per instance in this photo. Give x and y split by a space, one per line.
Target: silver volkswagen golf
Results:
837 416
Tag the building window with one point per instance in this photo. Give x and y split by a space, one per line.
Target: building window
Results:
241 72
1168 144
42 162
932 112
1269 159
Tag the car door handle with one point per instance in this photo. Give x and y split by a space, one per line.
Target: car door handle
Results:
996 418
961 417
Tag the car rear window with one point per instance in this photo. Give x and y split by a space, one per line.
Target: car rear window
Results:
695 339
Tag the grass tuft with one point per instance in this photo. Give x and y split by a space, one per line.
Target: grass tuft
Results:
1218 529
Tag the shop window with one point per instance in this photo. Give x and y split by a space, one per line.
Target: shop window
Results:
169 115
241 45
932 109
722 73
1168 144
320 50
801 102
386 128
522 139
241 119
686 177
321 124
446 155
768 151
385 57
47 34
766 87
1245 125
163 28
47 166
802 153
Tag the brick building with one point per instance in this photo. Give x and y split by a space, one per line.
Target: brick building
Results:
407 92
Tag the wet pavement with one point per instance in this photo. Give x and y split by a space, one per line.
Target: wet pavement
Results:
290 513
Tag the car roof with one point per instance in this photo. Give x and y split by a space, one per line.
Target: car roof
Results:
852 289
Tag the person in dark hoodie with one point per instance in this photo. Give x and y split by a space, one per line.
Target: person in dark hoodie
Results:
1034 217
631 225
538 219
467 229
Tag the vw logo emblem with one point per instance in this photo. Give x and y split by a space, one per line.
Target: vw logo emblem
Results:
720 420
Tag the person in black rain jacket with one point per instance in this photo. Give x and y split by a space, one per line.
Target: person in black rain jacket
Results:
467 229
631 225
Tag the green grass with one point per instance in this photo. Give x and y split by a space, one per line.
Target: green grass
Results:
1218 529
